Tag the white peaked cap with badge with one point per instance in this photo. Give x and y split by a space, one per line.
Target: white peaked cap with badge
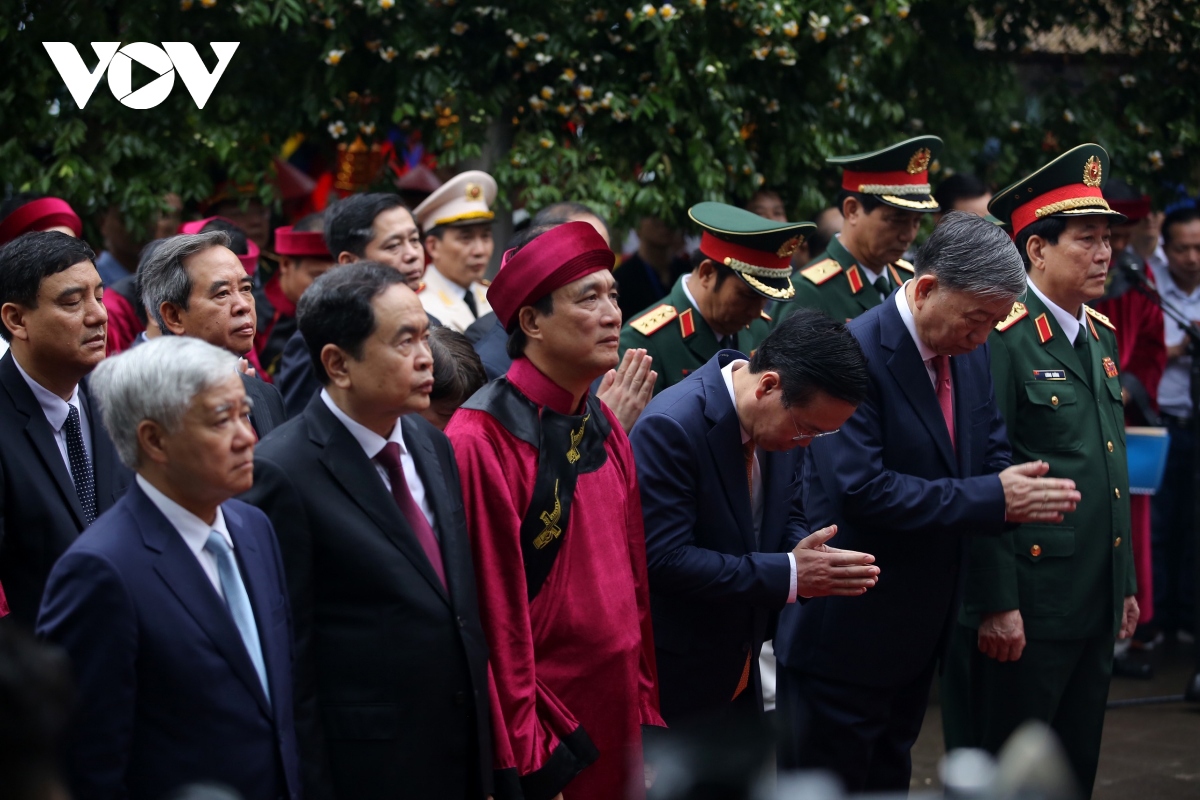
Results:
465 199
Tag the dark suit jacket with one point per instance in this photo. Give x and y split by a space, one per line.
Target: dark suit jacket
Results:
713 587
268 405
490 341
295 378
391 671
41 512
896 488
167 692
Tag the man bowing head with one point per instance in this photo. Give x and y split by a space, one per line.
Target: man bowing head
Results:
556 528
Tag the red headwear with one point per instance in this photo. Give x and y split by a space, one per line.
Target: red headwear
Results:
290 242
557 257
249 261
40 215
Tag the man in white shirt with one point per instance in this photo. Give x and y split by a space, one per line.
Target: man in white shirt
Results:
364 494
58 469
173 607
457 221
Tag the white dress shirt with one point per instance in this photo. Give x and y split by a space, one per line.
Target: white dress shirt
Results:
192 529
756 479
910 324
372 443
56 410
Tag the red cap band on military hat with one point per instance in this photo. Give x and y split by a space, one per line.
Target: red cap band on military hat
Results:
40 215
1053 201
853 181
290 242
559 256
725 252
249 261
1134 210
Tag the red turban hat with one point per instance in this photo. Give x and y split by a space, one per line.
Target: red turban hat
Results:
559 256
40 215
249 261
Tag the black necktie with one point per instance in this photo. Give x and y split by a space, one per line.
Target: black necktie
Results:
728 342
81 467
1081 347
882 286
469 299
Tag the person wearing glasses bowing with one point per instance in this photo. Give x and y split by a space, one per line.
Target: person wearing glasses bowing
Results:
727 544
923 463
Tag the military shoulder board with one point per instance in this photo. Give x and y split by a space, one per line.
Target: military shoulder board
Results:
654 319
904 265
1018 313
821 271
1103 320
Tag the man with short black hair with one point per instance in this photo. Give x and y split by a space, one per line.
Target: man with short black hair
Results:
391 663
727 544
58 468
920 467
961 192
550 489
374 227
194 285
884 196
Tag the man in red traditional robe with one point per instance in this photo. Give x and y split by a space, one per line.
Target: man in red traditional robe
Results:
555 520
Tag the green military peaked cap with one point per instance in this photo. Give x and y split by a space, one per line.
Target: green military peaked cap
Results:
897 175
1069 186
758 249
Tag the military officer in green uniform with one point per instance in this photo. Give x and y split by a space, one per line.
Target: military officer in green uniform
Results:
884 197
743 261
1043 602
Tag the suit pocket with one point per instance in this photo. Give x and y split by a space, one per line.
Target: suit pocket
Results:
361 721
1051 418
1045 577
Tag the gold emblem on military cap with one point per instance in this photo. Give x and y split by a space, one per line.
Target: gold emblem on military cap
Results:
1093 171
919 161
788 248
474 191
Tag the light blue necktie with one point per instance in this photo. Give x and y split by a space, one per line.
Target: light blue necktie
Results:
238 602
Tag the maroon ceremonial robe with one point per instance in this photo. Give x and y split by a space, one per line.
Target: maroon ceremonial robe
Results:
581 653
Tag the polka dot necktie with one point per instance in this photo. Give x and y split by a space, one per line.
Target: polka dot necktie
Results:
81 467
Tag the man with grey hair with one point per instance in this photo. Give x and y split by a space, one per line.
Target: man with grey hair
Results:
194 285
923 462
173 608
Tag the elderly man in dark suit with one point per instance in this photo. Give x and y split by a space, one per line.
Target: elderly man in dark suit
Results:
392 664
58 468
717 459
923 462
173 608
194 285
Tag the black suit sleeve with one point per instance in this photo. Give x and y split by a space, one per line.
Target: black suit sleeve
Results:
296 380
276 495
87 611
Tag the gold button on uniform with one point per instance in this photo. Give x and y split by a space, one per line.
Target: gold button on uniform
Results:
1117 493
1035 551
1117 543
1053 399
1110 448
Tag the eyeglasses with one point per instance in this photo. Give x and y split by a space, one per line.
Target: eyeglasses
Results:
804 437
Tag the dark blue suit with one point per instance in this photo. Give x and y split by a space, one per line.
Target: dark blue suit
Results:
167 692
857 670
713 588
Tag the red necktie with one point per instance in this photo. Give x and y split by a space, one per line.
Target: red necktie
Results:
945 399
389 459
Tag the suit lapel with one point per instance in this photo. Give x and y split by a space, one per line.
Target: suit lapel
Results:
725 445
254 575
778 470
350 467
910 375
105 464
964 401
179 569
426 460
40 434
260 414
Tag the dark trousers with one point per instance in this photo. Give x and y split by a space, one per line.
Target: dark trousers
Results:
1173 536
863 734
1061 683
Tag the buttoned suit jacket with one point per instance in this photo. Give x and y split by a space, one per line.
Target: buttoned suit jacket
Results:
896 488
41 511
714 587
391 671
167 692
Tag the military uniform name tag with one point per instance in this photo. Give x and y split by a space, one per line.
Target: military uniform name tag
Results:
1049 375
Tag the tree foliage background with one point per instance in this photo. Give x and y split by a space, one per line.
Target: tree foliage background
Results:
638 109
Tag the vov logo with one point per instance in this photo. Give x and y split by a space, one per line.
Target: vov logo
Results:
165 61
